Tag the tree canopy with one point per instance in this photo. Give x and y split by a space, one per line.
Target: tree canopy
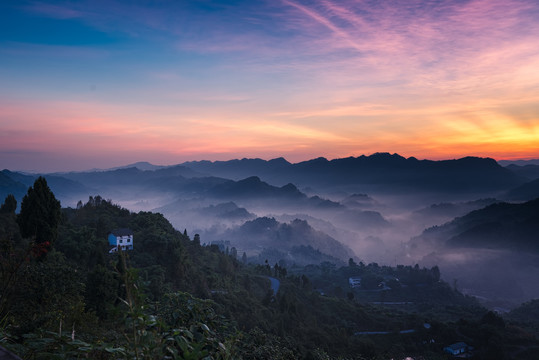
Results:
40 213
9 205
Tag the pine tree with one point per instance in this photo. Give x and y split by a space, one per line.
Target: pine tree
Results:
40 214
9 205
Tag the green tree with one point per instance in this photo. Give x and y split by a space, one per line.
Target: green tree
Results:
370 281
9 205
101 290
435 271
13 252
40 213
49 295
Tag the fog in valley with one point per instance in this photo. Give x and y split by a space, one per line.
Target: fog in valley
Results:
383 209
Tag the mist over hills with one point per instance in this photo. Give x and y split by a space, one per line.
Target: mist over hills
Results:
529 190
440 213
530 172
254 187
130 176
367 206
8 185
491 252
500 225
17 184
266 233
377 173
141 165
518 162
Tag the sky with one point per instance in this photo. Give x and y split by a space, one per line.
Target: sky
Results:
97 84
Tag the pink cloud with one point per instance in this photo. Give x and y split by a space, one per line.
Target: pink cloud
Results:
331 78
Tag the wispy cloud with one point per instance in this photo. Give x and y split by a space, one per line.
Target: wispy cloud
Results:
308 77
52 10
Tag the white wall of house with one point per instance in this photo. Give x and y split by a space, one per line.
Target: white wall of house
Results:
123 241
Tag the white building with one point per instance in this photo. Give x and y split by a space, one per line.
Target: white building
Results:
121 238
354 282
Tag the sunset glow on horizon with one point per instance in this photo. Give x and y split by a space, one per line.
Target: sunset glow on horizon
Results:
96 84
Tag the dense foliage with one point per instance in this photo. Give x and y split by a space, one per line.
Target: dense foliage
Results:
173 298
40 214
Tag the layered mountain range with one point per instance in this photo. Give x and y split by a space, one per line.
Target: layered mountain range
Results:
350 198
498 226
381 171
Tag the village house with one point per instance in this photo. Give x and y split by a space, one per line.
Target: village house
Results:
458 349
121 238
354 282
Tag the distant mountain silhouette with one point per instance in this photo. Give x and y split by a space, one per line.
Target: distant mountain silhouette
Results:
497 226
255 192
227 211
519 162
141 165
526 313
383 172
359 201
17 184
239 169
118 177
8 185
252 192
127 176
27 180
268 233
380 171
198 217
530 172
527 191
254 187
449 210
170 181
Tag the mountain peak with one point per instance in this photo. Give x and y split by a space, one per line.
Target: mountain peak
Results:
279 161
141 165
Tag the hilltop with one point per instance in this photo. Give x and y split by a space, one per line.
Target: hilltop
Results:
220 303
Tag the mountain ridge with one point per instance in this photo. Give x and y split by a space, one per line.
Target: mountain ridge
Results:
500 225
380 170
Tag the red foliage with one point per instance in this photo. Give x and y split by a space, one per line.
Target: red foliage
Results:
39 250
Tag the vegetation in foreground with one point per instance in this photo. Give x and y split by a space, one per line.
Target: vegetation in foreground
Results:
64 296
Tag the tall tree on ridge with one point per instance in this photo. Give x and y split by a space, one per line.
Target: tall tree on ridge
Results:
40 214
9 205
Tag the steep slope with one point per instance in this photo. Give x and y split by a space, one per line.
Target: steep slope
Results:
527 191
10 186
530 171
498 226
441 213
253 187
17 184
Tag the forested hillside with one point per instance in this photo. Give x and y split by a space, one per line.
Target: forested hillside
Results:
66 295
500 225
